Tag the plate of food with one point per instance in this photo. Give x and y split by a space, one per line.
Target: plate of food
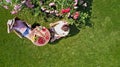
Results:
41 37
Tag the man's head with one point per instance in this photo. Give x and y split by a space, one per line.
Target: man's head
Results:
65 27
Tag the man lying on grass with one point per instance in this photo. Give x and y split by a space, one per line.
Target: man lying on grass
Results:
58 29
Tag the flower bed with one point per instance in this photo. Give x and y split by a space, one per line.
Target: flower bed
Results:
76 12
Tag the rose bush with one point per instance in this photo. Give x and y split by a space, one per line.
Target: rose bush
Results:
76 12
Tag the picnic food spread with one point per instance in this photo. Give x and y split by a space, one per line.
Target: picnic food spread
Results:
42 36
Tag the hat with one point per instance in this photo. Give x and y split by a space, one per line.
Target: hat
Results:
10 24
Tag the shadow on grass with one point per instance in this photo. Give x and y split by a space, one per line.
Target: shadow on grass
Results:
55 42
73 30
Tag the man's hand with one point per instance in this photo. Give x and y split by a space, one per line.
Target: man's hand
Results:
53 24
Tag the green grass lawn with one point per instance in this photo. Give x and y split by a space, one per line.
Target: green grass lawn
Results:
96 46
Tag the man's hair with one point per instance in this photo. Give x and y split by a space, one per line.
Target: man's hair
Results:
65 27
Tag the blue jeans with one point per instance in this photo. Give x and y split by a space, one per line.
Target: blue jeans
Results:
26 32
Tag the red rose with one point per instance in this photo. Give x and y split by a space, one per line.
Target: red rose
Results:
65 10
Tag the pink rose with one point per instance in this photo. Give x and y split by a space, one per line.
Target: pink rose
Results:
76 15
6 7
76 2
52 4
17 7
8 1
29 4
14 12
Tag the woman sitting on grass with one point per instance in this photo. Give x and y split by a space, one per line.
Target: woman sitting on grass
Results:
58 30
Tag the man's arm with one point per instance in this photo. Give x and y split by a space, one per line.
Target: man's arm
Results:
53 24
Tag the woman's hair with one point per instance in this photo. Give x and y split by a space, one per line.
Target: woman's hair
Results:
16 18
34 25
65 27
